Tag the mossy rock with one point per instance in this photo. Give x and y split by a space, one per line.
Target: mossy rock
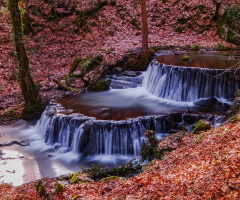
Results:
196 47
186 58
229 25
99 86
86 65
80 177
202 125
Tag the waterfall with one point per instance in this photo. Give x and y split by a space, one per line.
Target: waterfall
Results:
81 134
188 83
86 135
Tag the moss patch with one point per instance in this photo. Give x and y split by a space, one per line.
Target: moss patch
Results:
229 25
196 47
107 179
99 86
202 125
179 29
186 58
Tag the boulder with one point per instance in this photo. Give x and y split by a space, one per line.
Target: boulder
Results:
212 103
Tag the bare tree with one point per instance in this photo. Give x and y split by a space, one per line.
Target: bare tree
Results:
145 52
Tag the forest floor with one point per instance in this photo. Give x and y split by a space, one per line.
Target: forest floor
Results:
205 166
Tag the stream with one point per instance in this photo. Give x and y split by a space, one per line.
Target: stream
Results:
107 128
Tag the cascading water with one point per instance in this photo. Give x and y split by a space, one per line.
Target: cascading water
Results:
89 136
188 83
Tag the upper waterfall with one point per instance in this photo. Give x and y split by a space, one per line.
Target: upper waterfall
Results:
188 83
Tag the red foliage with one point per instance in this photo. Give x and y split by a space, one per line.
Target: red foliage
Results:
55 43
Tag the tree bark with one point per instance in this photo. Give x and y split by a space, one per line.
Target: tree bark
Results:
30 92
145 52
216 13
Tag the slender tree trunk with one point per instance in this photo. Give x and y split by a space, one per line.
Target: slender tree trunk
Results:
30 92
216 13
145 52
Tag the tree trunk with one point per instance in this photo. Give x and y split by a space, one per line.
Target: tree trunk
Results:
216 13
145 52
30 92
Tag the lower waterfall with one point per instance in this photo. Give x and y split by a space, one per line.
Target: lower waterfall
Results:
89 136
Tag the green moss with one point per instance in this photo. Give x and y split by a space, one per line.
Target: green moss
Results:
236 106
76 197
206 109
122 16
26 23
90 63
92 24
41 189
9 111
202 9
150 149
196 47
135 23
111 33
76 61
82 17
201 125
179 29
183 20
186 58
199 138
59 188
74 178
96 172
201 29
176 2
229 25
220 47
107 179
113 2
73 8
100 86
198 15
235 119
39 185
109 23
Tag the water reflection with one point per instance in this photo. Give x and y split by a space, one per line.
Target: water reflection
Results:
123 104
211 60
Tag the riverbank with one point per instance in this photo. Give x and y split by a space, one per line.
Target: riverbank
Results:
21 164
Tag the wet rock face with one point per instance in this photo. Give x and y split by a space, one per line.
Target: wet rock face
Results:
229 25
127 79
212 103
87 135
